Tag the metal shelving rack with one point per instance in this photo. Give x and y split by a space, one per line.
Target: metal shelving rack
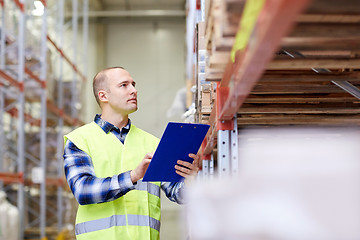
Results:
35 114
281 68
282 63
239 77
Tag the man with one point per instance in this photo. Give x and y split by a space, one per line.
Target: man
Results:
104 162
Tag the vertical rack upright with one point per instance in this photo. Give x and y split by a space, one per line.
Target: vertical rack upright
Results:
60 121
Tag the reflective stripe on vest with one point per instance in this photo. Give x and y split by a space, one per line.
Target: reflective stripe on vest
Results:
149 187
141 220
116 220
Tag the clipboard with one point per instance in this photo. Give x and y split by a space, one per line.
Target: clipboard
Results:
177 141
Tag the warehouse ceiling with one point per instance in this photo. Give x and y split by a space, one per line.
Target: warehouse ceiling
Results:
143 4
136 8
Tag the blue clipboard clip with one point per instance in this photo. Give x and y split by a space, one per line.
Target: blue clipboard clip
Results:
177 142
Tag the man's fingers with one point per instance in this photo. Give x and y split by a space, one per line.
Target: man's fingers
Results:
185 164
186 169
183 169
181 173
194 156
191 170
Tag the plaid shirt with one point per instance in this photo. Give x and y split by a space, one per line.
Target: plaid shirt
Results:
89 189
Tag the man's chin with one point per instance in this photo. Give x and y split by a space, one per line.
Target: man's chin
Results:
133 110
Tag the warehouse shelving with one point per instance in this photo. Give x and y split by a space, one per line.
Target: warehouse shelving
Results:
36 117
276 62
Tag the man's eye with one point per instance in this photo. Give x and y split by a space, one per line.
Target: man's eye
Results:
123 85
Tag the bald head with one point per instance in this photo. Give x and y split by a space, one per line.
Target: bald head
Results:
99 82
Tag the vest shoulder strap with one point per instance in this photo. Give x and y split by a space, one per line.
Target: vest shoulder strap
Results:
79 135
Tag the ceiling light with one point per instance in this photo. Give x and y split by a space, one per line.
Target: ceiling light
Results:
39 8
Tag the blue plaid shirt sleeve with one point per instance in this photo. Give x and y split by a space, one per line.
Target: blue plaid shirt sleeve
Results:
86 187
174 191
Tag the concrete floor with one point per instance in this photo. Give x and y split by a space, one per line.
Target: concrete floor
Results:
172 225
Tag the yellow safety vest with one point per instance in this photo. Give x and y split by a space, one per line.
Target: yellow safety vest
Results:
136 215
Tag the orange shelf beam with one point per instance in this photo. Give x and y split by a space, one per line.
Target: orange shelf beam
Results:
11 80
36 78
20 5
67 59
8 178
33 121
60 112
59 182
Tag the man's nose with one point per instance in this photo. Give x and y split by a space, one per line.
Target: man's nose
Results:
133 90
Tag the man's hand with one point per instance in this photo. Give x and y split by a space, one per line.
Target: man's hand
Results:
140 170
186 169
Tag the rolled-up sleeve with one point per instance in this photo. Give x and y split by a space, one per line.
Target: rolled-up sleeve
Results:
174 191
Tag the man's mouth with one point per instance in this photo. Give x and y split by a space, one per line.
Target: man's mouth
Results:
133 100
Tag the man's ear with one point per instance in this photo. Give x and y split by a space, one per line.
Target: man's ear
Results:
102 96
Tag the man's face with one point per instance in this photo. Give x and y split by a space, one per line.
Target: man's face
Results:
121 94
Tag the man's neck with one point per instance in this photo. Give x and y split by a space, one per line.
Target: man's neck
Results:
117 120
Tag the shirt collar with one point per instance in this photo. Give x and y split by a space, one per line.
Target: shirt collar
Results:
107 127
